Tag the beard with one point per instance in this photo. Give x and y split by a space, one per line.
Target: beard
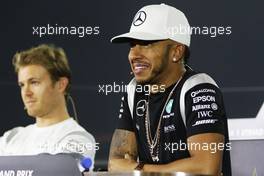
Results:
156 75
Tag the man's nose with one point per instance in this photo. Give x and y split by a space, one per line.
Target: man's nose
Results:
135 52
27 90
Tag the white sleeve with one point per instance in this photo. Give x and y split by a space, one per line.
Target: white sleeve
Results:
6 138
2 146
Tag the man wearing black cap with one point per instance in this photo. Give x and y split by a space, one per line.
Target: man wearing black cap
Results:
179 123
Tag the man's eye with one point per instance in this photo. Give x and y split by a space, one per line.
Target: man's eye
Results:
142 44
34 82
147 43
132 45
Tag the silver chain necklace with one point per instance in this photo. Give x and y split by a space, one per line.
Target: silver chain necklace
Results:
153 142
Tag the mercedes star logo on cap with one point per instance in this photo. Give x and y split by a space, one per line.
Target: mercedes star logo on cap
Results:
139 18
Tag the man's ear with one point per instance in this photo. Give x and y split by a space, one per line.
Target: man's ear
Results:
62 84
178 52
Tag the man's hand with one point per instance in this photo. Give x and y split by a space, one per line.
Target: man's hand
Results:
124 165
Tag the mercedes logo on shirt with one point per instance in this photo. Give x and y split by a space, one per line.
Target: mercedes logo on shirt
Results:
141 107
139 18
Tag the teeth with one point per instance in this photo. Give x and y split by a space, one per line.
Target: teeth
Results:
140 67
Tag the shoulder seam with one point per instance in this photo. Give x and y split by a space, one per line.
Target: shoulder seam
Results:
131 87
200 78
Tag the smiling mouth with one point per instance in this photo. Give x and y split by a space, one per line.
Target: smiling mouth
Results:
139 67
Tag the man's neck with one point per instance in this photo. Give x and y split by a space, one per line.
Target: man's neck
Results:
168 81
53 118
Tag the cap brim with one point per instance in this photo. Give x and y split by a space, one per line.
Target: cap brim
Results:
127 37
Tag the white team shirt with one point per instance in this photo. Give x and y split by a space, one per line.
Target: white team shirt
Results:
64 137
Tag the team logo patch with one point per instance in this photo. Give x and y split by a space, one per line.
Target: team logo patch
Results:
141 108
169 128
140 18
169 106
214 106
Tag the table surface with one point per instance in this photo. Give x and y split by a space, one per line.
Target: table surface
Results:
138 173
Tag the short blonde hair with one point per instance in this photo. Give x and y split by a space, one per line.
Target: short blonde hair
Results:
52 58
